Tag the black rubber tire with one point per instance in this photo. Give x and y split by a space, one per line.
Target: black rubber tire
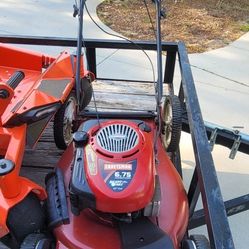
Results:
7 241
37 241
200 241
188 244
176 123
85 99
59 137
26 217
87 92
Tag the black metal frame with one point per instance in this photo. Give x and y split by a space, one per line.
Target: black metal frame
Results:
204 179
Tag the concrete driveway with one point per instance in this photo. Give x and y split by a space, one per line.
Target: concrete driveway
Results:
221 77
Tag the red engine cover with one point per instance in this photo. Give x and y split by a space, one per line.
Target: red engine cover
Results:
119 166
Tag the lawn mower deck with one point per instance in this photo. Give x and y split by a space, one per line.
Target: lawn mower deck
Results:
117 192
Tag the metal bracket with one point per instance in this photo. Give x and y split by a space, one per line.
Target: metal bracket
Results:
235 147
213 138
153 208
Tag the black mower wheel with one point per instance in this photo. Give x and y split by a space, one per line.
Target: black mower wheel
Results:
63 122
196 242
25 218
37 241
172 117
87 92
201 241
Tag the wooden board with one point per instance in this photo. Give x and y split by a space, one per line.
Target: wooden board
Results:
35 174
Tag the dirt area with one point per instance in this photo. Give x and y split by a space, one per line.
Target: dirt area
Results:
202 24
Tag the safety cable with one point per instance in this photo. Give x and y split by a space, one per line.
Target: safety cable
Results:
126 39
149 15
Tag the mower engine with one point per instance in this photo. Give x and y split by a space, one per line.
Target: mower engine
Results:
114 168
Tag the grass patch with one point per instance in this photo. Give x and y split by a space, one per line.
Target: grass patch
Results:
203 25
245 27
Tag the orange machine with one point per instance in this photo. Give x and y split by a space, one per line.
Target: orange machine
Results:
33 88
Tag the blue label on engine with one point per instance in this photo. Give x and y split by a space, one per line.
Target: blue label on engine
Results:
118 176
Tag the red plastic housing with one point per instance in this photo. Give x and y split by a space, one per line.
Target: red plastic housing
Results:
122 181
88 231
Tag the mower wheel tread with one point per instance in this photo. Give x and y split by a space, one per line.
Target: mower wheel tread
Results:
201 241
58 127
87 90
176 122
25 218
36 241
